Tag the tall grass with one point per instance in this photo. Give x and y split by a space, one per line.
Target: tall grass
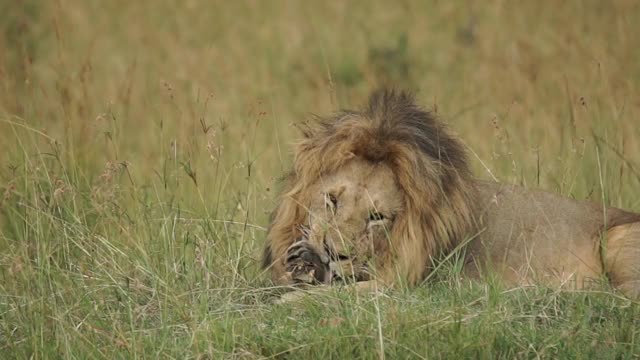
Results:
141 143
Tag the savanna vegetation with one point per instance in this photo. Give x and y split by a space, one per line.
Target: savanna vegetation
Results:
141 144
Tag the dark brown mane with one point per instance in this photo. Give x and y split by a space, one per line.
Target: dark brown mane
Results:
382 131
398 118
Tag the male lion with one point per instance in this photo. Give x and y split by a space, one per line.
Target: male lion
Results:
384 192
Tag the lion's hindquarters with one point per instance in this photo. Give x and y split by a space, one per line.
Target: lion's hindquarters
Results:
621 257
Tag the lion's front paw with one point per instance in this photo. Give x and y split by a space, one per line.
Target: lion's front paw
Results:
305 265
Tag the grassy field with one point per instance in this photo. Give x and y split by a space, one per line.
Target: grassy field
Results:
141 144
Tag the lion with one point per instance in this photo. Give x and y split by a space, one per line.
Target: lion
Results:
386 192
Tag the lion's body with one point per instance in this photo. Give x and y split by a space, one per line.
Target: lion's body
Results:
386 191
532 236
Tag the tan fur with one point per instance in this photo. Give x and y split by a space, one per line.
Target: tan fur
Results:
405 197
621 258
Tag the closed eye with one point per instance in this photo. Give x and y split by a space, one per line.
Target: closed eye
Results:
331 202
375 216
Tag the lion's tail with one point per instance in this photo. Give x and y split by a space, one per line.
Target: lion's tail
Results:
622 258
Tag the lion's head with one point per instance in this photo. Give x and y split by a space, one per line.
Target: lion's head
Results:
384 190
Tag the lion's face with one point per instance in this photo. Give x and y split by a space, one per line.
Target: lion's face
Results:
351 215
382 191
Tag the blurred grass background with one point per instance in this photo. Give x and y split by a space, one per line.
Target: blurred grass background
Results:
141 143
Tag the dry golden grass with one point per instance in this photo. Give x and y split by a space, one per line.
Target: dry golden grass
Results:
130 131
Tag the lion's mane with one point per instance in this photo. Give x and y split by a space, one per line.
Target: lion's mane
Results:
430 166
